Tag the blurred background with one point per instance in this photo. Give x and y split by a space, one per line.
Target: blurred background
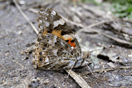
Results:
102 27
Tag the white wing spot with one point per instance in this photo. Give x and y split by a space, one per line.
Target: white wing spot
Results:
45 18
72 48
40 21
41 27
53 13
68 36
55 51
43 12
46 59
47 24
54 39
50 42
61 22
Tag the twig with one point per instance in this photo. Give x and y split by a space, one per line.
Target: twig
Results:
76 77
73 23
93 25
33 10
106 35
19 8
106 70
113 38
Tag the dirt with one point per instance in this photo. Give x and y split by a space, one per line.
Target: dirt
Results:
16 35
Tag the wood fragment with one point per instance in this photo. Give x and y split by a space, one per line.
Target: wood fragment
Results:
78 79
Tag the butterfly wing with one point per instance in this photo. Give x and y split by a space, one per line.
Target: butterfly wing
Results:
54 53
57 47
51 22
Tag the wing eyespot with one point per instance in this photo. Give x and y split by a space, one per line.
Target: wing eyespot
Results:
40 53
40 59
43 48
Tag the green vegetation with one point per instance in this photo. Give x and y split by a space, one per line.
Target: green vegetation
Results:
91 1
123 8
85 1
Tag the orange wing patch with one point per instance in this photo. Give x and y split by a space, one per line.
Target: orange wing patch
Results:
57 33
44 32
71 43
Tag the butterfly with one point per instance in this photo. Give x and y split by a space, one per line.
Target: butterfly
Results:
56 47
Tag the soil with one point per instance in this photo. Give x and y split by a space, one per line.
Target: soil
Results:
110 60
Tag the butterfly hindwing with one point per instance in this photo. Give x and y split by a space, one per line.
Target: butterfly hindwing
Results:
53 52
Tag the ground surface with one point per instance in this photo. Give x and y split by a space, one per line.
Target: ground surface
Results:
112 68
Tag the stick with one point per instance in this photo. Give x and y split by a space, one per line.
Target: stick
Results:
113 38
78 79
106 70
24 15
93 25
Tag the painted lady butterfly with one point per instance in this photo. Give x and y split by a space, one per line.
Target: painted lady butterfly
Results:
56 47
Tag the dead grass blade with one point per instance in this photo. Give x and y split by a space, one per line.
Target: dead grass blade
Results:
24 15
78 79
